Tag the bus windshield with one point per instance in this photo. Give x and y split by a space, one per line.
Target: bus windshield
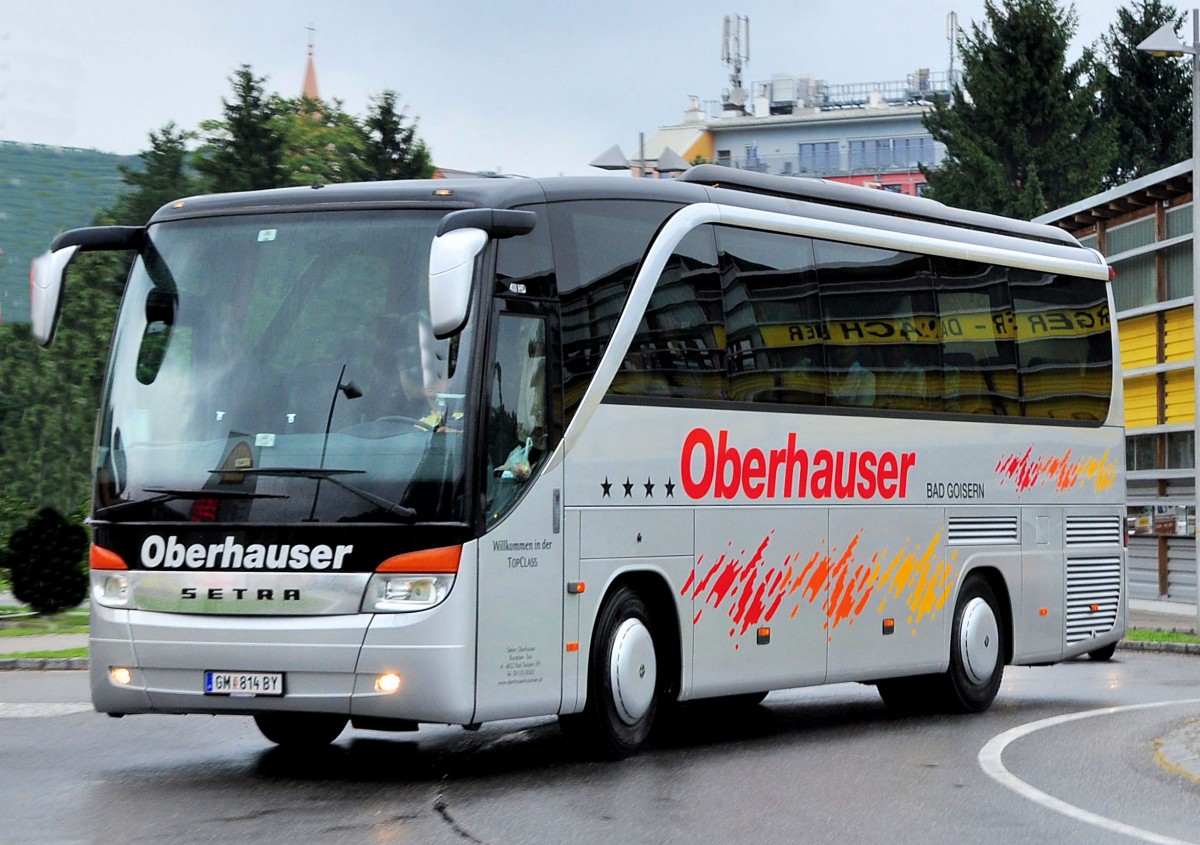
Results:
281 368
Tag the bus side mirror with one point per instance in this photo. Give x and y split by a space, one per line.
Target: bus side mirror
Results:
46 292
451 277
47 271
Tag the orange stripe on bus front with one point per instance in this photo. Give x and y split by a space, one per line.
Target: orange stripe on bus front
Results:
444 559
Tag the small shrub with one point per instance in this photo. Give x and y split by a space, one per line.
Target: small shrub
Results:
46 562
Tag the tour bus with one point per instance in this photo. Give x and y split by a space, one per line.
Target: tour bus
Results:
462 451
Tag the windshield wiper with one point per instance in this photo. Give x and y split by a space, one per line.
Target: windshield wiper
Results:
167 494
319 474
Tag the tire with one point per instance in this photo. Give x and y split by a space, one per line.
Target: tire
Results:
976 650
300 730
1104 653
976 669
624 686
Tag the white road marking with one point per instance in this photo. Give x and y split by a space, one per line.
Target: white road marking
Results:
989 761
34 710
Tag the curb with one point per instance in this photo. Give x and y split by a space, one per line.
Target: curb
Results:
1160 648
42 664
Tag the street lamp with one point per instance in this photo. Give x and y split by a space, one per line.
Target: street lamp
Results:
1164 42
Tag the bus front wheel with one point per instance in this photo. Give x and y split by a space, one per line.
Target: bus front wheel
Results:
300 730
623 682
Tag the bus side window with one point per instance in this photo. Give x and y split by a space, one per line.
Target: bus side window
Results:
517 435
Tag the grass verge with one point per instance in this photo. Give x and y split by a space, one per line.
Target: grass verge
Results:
46 655
1145 635
69 622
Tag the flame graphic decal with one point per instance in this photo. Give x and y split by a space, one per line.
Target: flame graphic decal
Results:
1063 471
752 591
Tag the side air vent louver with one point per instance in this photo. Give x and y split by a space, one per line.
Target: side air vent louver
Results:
1093 530
983 530
1093 595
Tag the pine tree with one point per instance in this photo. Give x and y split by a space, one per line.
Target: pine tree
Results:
1021 132
393 149
164 176
245 150
1147 99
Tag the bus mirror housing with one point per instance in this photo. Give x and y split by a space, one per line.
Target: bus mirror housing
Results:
47 272
45 292
451 277
461 236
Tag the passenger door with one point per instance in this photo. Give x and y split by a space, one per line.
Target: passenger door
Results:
521 588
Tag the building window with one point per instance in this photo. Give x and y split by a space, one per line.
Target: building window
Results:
1181 450
820 157
1179 221
1170 520
1131 235
1135 285
1177 262
1141 451
874 154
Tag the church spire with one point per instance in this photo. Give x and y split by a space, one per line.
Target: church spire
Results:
310 89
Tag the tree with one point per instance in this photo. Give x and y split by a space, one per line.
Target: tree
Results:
48 397
46 559
393 150
1147 99
1021 132
163 177
245 150
322 143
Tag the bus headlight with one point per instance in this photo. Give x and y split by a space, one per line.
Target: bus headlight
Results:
398 593
412 581
110 589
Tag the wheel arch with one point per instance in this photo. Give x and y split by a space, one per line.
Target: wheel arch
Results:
655 591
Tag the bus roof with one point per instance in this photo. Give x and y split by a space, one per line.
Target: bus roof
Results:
798 196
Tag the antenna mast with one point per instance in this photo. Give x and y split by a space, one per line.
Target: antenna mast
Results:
952 38
735 52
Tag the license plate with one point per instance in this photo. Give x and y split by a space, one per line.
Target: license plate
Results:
243 683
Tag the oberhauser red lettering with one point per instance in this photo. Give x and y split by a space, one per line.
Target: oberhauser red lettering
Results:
713 467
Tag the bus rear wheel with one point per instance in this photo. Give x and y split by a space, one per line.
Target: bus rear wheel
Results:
623 680
976 669
976 650
300 730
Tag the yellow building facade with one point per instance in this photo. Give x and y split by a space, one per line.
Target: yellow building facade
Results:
1144 230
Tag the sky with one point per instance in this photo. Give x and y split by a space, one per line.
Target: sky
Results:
528 87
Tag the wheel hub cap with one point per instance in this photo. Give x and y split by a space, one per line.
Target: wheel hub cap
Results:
633 670
979 641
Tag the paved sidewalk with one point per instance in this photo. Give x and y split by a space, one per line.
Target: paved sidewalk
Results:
41 642
1162 615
